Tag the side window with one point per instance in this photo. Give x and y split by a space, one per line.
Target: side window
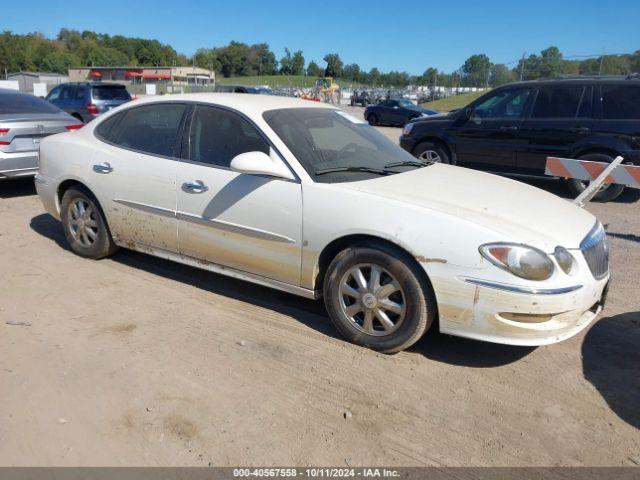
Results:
557 102
504 104
67 92
621 102
218 135
151 129
106 130
54 94
80 93
586 103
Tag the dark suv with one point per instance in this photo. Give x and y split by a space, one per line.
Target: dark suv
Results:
85 101
512 129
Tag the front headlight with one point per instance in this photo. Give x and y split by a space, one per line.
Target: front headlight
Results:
565 259
521 260
407 129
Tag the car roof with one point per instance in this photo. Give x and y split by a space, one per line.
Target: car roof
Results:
580 79
245 102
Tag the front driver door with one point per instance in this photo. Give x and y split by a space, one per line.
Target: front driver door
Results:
250 223
488 139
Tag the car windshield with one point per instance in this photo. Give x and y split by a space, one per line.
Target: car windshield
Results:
334 147
111 92
406 103
15 102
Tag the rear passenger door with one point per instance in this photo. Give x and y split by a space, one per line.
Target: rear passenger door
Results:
134 172
618 113
560 118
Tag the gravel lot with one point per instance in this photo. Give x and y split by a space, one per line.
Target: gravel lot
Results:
135 360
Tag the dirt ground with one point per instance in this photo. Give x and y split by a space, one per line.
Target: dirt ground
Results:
135 360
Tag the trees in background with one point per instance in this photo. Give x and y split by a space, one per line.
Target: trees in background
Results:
35 52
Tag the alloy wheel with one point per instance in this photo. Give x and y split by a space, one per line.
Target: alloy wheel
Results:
430 156
372 299
82 221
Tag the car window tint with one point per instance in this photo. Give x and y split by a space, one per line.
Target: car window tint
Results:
67 92
557 102
54 94
621 102
585 108
110 92
152 128
217 136
106 129
504 104
16 102
79 93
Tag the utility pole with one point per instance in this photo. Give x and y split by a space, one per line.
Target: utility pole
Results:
522 66
601 60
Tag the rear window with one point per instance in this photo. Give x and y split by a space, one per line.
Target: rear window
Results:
110 92
11 103
621 102
557 102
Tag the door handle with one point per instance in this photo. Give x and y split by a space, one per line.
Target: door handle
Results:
194 187
510 128
579 129
103 168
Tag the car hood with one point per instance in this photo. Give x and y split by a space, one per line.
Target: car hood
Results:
518 211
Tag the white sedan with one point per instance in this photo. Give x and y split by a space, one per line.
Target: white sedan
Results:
304 198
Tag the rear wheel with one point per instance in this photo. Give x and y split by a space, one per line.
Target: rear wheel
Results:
376 298
607 192
431 152
84 225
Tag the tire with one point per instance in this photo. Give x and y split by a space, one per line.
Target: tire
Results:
373 119
84 224
349 313
608 192
431 151
78 117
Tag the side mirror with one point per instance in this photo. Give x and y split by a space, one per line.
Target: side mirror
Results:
259 163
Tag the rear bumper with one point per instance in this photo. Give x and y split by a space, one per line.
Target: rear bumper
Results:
47 191
18 164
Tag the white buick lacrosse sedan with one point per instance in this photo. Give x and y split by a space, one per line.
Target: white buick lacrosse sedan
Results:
304 198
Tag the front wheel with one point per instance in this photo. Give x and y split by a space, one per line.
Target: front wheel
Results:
373 119
84 225
607 192
376 298
431 152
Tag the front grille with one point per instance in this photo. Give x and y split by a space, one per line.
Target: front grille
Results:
596 251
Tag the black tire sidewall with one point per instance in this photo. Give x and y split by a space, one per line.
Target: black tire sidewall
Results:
422 147
103 246
419 314
373 119
611 193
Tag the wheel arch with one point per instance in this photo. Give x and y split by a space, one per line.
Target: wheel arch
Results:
337 245
73 182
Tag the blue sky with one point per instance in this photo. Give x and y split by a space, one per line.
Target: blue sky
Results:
390 35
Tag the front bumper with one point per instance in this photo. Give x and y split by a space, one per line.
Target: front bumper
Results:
407 143
18 164
499 315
